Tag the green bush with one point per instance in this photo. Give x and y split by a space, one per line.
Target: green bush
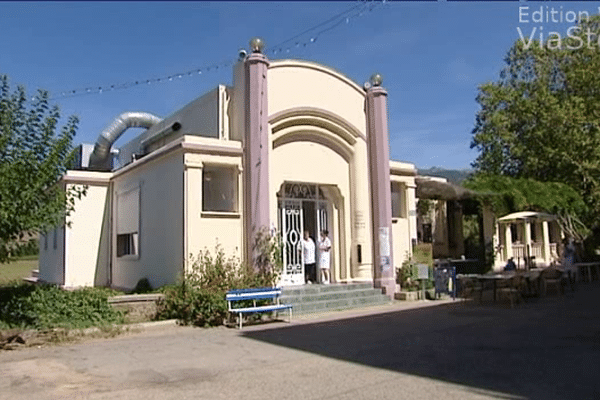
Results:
407 276
46 306
199 298
143 286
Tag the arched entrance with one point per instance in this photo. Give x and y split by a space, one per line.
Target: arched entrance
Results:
303 207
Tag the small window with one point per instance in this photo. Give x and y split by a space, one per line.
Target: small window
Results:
55 239
128 222
127 244
219 189
398 200
45 241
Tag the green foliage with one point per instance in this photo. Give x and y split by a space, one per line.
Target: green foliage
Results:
408 276
32 159
471 236
424 207
28 248
423 254
143 286
540 120
199 298
506 195
45 306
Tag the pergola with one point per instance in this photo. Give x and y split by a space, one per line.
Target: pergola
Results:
528 235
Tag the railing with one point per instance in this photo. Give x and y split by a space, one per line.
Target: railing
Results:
518 251
553 250
536 250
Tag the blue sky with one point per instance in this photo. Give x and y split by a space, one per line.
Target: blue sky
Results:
432 57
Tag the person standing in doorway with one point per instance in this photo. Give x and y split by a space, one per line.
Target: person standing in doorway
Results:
324 256
310 263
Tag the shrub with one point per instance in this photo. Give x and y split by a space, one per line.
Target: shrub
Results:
143 286
408 276
199 298
47 306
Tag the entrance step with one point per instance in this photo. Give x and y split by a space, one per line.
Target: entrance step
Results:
308 299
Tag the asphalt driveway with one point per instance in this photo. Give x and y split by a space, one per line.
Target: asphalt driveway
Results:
547 349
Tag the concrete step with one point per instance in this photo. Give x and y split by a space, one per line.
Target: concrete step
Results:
308 299
31 279
35 273
338 305
334 295
318 288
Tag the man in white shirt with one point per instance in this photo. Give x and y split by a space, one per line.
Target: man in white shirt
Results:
308 253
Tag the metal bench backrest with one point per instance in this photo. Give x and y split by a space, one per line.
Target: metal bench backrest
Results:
253 294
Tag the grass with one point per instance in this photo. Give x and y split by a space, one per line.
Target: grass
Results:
17 270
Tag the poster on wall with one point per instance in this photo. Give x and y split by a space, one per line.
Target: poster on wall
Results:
384 248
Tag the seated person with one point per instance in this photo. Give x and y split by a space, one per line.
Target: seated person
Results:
510 265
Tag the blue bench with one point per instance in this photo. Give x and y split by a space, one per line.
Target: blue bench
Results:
234 296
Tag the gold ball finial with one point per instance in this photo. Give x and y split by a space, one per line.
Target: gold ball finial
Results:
257 45
376 79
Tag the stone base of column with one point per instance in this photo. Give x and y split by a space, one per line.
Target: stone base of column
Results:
365 272
387 284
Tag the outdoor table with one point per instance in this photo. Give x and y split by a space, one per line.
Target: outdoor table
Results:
495 278
588 268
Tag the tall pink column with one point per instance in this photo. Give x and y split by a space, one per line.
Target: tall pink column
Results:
256 147
381 197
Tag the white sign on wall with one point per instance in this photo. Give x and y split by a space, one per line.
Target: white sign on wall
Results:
384 248
422 271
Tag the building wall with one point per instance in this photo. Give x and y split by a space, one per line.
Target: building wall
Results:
161 246
204 116
208 229
404 226
317 164
51 261
86 239
293 84
318 135
81 254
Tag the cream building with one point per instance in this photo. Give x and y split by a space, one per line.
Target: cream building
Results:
290 145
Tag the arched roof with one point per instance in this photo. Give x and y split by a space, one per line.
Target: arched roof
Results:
318 67
523 215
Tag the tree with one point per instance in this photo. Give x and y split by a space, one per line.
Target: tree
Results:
33 157
506 195
541 119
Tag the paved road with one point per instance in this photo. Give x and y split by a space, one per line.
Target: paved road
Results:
549 349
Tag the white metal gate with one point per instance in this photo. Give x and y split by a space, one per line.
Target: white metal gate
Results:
291 232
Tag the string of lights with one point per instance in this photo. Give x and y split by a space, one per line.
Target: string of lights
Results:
298 41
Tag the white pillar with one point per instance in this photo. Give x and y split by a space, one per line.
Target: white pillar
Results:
527 239
508 242
411 204
546 249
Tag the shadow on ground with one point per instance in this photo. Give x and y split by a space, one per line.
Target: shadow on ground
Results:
544 349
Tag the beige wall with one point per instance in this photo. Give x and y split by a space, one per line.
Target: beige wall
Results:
206 116
81 254
160 258
404 229
86 239
316 164
303 84
207 229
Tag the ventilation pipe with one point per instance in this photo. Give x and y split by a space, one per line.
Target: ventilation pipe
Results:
100 158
